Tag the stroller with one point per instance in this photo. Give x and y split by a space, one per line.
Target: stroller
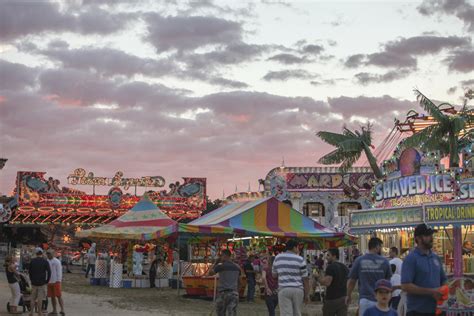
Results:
25 289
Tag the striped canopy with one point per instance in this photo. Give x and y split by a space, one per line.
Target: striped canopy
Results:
144 221
268 217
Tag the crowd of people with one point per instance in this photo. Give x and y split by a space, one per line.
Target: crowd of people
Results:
386 286
41 279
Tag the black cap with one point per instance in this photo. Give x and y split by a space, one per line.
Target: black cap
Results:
424 230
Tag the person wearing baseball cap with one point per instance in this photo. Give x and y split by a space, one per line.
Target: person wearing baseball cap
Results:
422 274
383 294
40 273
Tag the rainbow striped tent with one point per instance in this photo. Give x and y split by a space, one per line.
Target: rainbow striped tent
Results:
144 221
268 217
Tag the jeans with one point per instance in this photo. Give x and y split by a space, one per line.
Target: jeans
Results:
336 307
420 314
226 303
272 303
250 289
394 302
290 300
90 267
365 304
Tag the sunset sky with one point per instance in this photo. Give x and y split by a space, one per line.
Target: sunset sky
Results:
221 90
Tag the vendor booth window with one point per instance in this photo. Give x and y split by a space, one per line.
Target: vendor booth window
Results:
314 209
344 208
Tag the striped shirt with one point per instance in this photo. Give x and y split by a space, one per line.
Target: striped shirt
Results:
291 270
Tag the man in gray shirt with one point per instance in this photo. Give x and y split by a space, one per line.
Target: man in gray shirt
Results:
368 269
228 286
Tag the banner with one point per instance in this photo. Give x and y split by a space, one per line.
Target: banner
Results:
451 213
386 218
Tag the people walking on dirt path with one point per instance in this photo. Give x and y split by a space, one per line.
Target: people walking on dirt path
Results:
271 288
40 274
250 274
335 280
293 281
228 286
12 279
366 271
422 274
54 285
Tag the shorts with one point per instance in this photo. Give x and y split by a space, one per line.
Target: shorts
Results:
54 289
38 293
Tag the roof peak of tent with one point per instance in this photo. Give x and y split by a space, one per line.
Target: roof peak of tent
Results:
145 204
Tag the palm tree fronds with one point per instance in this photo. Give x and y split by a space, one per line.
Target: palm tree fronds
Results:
430 107
332 138
334 157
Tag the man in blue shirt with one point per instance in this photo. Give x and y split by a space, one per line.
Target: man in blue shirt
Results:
422 275
368 269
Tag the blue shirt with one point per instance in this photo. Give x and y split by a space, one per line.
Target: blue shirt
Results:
423 270
374 311
368 269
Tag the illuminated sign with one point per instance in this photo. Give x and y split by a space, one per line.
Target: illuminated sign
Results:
449 213
413 185
466 191
386 217
79 177
298 181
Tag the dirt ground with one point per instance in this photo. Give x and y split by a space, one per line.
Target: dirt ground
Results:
83 299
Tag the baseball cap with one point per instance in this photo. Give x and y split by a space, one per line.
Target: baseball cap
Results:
383 285
38 250
51 252
424 230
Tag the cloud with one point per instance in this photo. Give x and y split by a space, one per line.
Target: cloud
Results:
373 107
312 49
461 61
289 59
20 18
16 76
185 33
284 75
467 83
231 54
108 61
228 83
462 9
452 90
366 78
402 53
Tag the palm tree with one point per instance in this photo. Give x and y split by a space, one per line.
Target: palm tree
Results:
349 147
449 134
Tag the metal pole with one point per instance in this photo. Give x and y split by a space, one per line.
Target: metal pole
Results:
179 269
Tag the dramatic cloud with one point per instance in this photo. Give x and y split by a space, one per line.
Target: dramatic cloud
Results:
462 9
108 62
283 75
402 53
371 107
185 33
289 59
461 61
365 78
22 18
16 76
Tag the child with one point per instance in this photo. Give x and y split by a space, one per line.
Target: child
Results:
383 294
396 281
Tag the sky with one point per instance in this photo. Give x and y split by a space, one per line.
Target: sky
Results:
218 89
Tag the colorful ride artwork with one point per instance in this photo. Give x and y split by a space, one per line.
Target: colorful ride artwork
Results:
41 200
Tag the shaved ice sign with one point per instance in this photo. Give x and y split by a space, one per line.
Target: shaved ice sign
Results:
413 179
